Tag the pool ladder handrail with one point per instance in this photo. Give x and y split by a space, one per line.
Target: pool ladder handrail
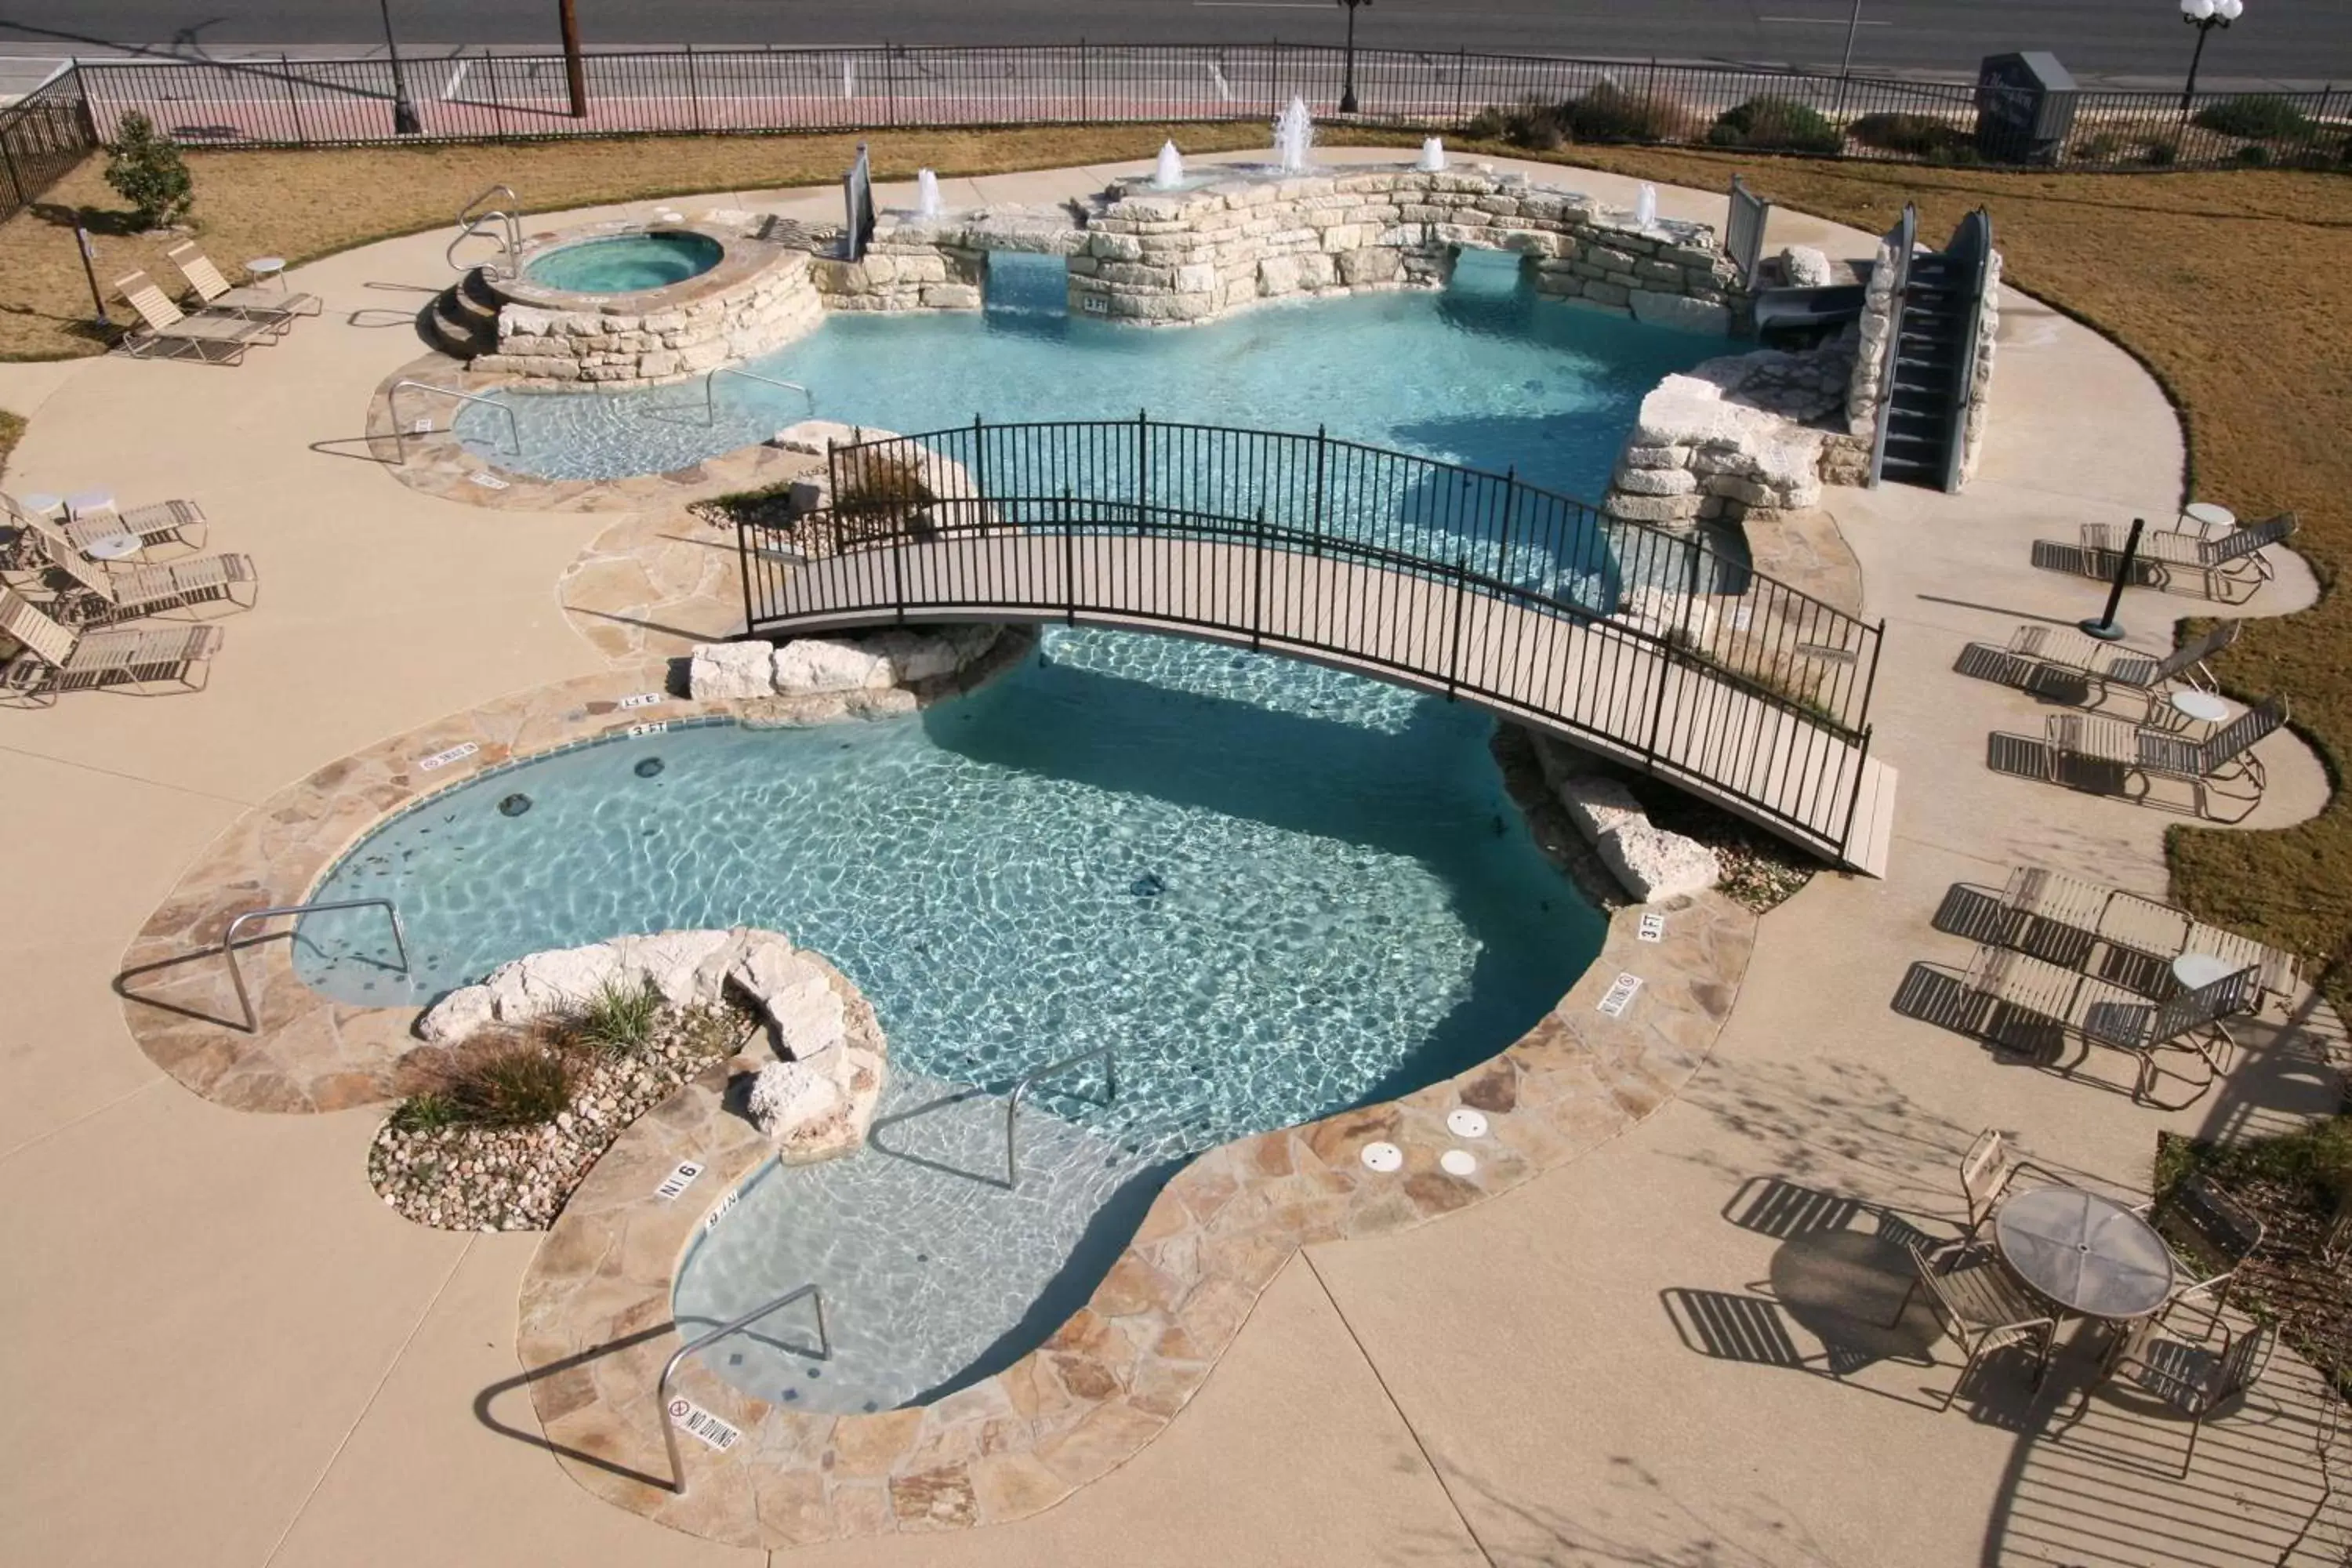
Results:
1021 1091
469 227
711 391
400 433
669 1370
228 940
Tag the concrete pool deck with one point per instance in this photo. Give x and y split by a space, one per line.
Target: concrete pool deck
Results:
222 1347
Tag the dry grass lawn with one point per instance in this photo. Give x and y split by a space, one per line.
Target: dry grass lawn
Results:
303 205
2235 289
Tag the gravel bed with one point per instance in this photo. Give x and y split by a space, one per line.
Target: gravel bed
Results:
518 1178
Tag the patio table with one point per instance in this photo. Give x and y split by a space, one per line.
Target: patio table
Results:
2088 1254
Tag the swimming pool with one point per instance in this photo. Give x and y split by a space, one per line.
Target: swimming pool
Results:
1273 890
624 264
1483 373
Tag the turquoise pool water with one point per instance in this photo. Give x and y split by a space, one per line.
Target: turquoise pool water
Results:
1482 374
1273 890
626 263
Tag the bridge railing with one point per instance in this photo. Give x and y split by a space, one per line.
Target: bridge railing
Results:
1656 648
1312 492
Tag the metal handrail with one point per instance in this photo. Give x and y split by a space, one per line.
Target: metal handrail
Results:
470 224
400 433
1020 1091
710 393
1904 240
228 940
669 1370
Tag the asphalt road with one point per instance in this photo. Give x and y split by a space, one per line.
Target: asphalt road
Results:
2124 42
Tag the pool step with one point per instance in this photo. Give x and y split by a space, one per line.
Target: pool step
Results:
464 321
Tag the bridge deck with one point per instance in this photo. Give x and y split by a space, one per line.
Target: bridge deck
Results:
1594 685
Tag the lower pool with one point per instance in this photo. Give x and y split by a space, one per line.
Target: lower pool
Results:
1273 890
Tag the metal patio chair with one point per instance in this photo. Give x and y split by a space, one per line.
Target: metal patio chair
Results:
159 522
1986 1171
2211 1231
250 300
99 596
2049 656
2029 1007
2193 1380
2123 937
169 332
55 659
1980 1304
2225 756
2227 565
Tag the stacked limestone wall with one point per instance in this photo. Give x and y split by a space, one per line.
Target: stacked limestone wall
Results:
619 346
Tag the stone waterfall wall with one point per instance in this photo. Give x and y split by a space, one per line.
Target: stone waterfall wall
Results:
1973 433
620 347
1847 461
1733 436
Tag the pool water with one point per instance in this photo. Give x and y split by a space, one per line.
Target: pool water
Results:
1273 890
1483 373
624 264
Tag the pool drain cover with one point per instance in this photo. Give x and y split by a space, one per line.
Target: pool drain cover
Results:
1383 1156
648 767
1457 1162
1465 1123
514 805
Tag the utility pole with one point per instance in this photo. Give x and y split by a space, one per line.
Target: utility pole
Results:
576 70
1347 85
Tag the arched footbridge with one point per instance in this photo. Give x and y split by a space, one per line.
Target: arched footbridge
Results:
1660 650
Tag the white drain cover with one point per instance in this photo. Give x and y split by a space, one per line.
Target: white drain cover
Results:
1457 1162
1465 1123
1383 1156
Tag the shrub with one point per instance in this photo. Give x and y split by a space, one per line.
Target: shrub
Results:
507 1080
425 1112
1914 135
879 494
2160 154
1531 122
2263 115
1781 123
1612 113
2252 153
145 170
618 1019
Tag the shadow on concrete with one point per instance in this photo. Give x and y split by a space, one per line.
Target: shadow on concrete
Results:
573 1369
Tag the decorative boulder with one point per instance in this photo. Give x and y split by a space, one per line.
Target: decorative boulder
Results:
1598 805
1655 864
730 671
1805 268
818 1109
809 665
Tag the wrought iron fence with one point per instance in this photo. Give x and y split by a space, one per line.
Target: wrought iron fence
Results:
42 135
1540 100
1664 646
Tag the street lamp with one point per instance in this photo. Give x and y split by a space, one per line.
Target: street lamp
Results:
1348 86
2205 16
405 121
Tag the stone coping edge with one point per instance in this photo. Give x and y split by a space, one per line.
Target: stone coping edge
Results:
310 1053
594 1317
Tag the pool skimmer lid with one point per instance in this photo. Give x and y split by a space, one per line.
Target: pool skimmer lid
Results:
1457 1162
1465 1123
1383 1157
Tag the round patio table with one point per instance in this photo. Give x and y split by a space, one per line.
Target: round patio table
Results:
2087 1253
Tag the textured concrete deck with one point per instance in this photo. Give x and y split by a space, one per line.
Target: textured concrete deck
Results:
222 1349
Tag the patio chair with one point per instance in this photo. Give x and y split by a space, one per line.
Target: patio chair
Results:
55 659
2190 1022
1986 1171
2213 1233
169 332
2048 656
218 293
2225 756
1980 1304
2226 565
2193 1380
2028 1006
159 522
2123 937
99 596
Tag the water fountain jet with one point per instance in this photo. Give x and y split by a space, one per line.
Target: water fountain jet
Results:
1169 172
1645 207
1433 156
927 194
1294 132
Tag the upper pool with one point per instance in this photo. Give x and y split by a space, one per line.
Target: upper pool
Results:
624 264
1482 373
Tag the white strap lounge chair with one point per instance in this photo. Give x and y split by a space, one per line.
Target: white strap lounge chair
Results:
248 300
2056 655
2232 567
2225 756
169 332
54 660
99 596
159 522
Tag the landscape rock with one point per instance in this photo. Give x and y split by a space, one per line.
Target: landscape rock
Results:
1805 268
810 665
731 671
1655 864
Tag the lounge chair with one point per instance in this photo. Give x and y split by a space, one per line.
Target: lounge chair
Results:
2040 657
99 595
2226 756
54 660
2193 1380
2227 565
219 294
159 522
172 334
2122 937
2025 1004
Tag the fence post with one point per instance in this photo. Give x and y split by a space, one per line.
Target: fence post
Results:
1069 564
743 555
694 90
1454 654
1085 85
293 98
1322 483
15 182
1461 87
897 567
890 82
1142 469
1503 536
978 473
1257 585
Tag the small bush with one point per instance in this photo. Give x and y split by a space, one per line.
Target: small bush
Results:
1913 135
1529 123
1612 113
879 494
426 1112
507 1080
1783 125
2263 115
618 1019
145 170
2253 154
2160 154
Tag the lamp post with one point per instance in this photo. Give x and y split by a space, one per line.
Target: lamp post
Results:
575 73
1347 85
405 121
2205 16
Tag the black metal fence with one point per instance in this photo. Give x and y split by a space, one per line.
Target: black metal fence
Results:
1663 646
42 135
